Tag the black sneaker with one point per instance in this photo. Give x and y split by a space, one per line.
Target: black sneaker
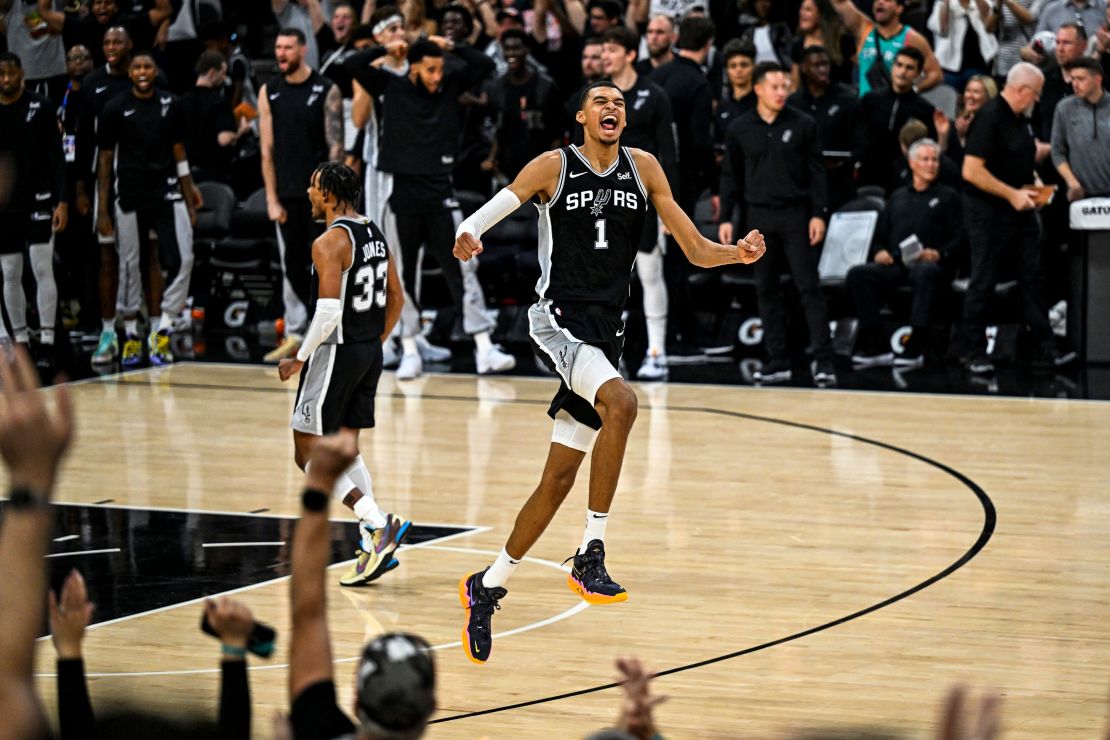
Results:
773 371
480 603
824 373
589 579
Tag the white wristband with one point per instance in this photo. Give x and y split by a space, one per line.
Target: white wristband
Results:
183 168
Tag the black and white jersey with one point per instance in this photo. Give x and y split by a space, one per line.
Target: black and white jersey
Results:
300 139
362 292
143 131
590 229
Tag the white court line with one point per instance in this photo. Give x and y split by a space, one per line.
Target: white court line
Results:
565 614
81 552
241 544
67 538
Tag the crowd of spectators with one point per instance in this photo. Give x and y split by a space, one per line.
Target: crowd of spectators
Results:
432 100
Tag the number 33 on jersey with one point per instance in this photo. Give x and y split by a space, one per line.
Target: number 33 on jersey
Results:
362 290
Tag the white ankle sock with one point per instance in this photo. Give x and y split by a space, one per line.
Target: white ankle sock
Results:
165 323
482 342
131 326
366 508
500 571
46 336
408 346
595 528
108 324
657 336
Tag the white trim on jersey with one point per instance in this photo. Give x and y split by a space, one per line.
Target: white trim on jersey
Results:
586 162
636 175
562 177
545 245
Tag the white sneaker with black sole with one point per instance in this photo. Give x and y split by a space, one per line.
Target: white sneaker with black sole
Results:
411 367
430 352
493 360
654 367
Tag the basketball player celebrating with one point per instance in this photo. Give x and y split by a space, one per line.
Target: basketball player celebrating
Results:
357 298
593 201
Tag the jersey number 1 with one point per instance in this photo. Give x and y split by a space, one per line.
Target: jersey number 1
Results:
372 279
601 242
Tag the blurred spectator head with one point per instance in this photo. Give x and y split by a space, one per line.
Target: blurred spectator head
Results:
509 18
695 33
619 46
979 90
816 67
759 9
820 16
362 37
426 64
1086 78
771 84
456 22
104 11
117 46
603 14
514 48
907 67
660 36
887 11
143 72
387 25
11 74
924 157
591 60
1024 85
739 62
396 690
344 20
216 37
289 50
911 132
1071 43
78 61
211 69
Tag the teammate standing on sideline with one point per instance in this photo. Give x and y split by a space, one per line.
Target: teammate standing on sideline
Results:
593 202
142 149
418 144
357 298
301 114
35 205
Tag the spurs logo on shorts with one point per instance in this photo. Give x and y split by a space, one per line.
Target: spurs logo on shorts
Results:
563 358
306 413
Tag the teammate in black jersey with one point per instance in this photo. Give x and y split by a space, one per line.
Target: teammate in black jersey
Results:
357 298
593 201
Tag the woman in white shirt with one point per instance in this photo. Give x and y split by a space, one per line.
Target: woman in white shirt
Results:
965 40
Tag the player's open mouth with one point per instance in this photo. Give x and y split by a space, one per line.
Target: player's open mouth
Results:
609 123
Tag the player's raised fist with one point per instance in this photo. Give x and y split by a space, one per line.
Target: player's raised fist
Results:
466 246
751 247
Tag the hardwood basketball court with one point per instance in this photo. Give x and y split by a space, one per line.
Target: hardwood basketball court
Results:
795 558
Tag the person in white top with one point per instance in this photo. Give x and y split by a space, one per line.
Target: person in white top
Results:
964 32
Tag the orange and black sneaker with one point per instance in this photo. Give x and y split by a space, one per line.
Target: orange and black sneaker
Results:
589 579
480 603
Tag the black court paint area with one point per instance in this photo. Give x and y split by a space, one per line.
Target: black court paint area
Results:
135 560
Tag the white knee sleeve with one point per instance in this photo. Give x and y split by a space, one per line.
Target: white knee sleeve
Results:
15 300
42 264
572 434
590 371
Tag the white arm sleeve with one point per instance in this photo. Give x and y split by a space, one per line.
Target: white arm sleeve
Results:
329 313
498 207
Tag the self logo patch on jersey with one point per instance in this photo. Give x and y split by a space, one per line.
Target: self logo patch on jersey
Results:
787 135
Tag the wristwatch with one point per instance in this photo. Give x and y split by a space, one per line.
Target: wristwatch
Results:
22 497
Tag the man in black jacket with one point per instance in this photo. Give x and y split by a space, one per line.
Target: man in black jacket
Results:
774 170
915 242
837 110
886 111
419 129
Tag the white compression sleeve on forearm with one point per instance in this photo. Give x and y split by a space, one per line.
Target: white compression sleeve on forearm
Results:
329 313
498 207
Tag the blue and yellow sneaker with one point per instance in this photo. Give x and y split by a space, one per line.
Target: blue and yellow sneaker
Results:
480 603
132 351
159 346
589 579
107 348
374 556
